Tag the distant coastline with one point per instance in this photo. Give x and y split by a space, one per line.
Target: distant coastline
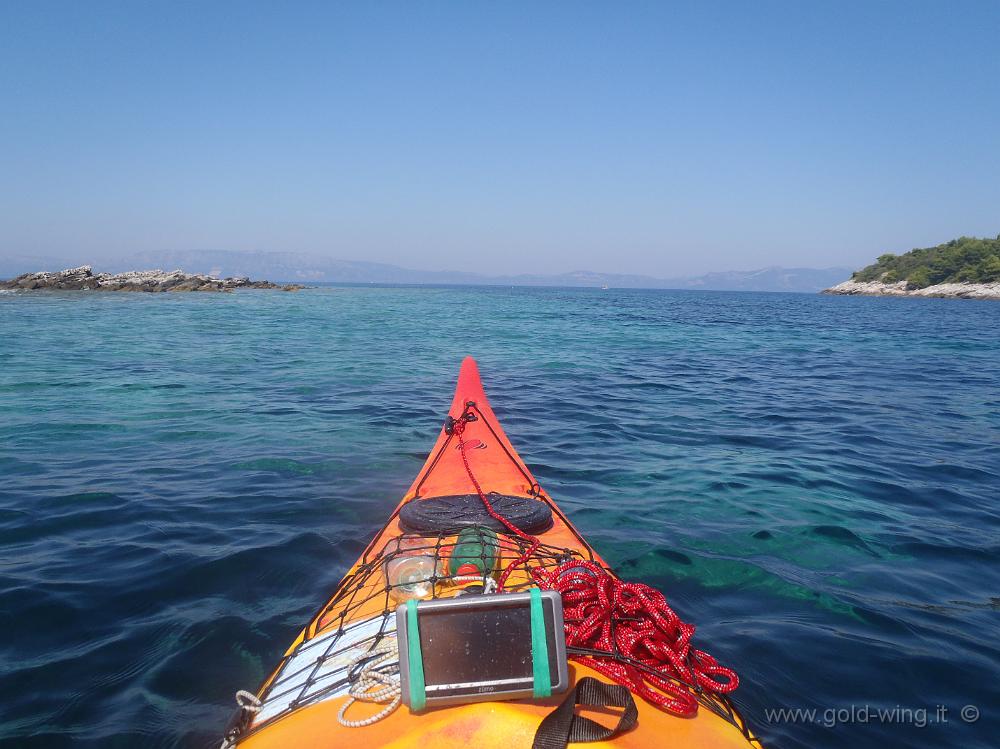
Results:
307 268
84 279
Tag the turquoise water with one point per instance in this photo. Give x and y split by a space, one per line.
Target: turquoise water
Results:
812 480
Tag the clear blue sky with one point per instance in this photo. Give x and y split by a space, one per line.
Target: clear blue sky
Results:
500 137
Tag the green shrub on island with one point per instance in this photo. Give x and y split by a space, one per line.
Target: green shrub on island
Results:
966 259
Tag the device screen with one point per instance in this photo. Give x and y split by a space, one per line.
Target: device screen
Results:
480 645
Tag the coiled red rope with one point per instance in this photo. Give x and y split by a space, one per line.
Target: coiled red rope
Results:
615 618
635 638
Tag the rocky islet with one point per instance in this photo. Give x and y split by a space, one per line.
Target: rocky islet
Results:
84 279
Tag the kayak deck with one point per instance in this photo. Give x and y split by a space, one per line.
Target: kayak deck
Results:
301 699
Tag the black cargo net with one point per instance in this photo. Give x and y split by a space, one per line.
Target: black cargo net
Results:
360 619
359 622
455 545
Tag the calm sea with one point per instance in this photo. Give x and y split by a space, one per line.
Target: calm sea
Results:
813 481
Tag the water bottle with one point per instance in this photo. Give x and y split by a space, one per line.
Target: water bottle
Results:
475 554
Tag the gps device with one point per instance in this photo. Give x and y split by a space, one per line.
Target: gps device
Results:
479 648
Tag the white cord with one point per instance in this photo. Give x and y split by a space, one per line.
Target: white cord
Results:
489 584
249 702
374 684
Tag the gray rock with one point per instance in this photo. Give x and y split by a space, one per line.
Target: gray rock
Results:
901 288
83 278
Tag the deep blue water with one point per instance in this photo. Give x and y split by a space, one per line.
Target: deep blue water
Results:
812 480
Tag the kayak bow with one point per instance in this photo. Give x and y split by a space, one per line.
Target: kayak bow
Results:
299 703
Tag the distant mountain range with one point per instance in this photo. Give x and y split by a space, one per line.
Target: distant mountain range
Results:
303 268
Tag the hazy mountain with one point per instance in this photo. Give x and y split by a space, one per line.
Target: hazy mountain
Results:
303 267
768 279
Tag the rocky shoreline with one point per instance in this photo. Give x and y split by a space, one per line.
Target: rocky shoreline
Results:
901 288
84 279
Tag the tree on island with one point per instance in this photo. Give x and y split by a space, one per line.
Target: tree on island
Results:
966 259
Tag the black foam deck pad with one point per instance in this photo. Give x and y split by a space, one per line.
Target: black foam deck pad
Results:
452 513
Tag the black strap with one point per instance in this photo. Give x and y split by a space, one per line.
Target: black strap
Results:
563 726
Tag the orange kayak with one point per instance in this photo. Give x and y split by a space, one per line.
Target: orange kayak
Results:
302 702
